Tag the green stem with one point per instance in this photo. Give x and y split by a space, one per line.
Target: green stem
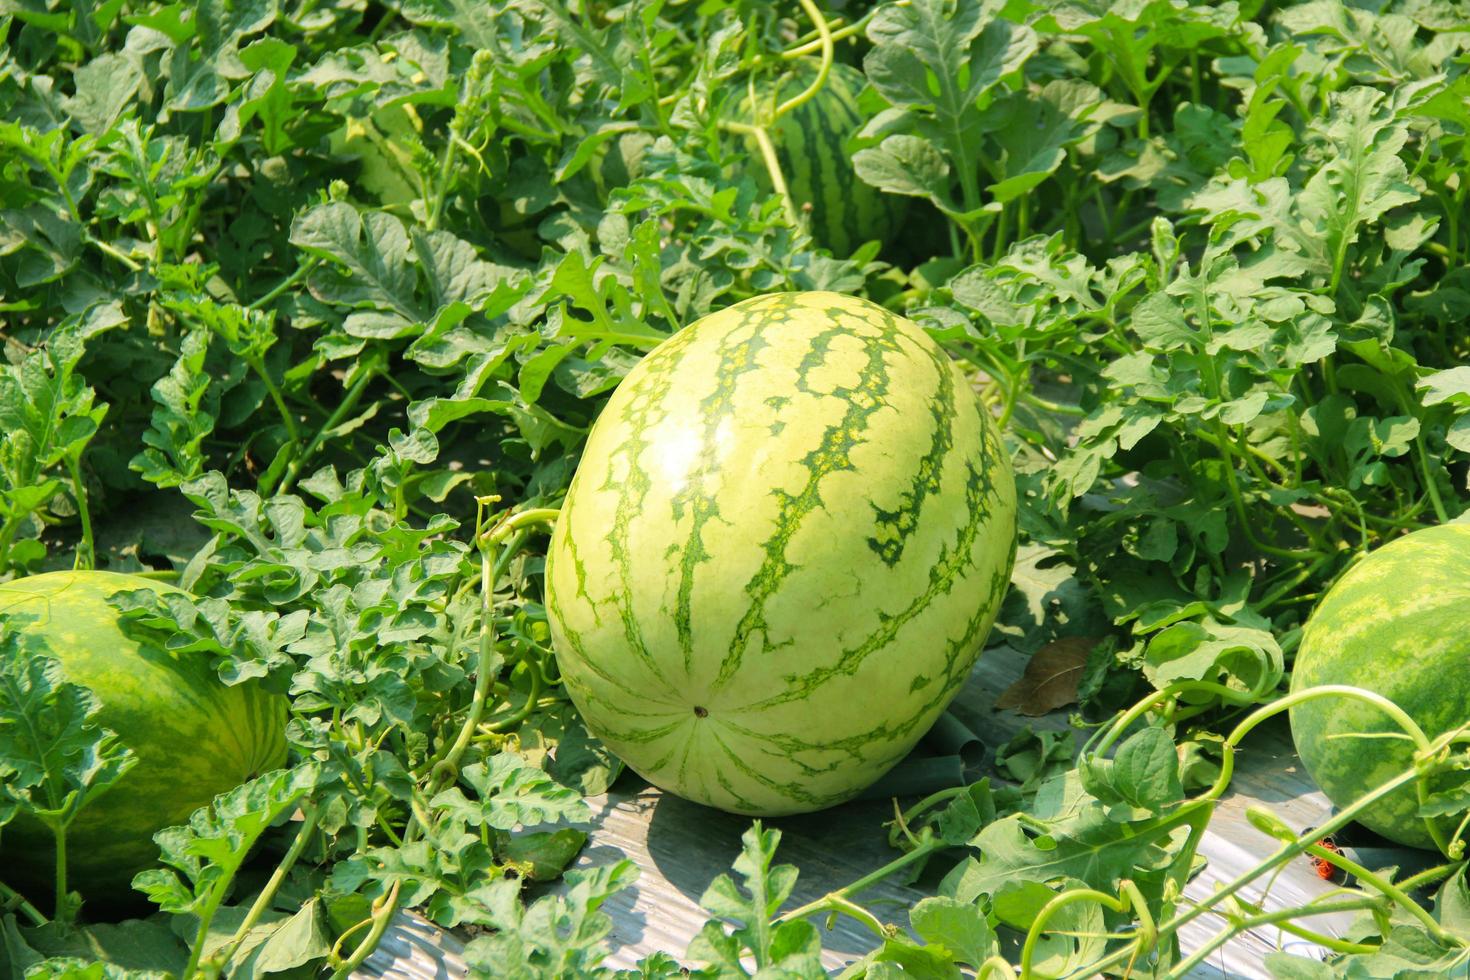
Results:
302 271
805 48
996 966
1106 737
521 713
58 830
12 899
772 162
121 256
263 900
86 551
856 911
380 918
1276 594
1430 875
1300 844
488 541
1227 452
1056 408
348 403
928 844
1399 716
1394 892
927 803
201 934
258 366
1069 897
516 523
824 41
1281 917
1280 857
1178 874
1313 936
7 534
1430 485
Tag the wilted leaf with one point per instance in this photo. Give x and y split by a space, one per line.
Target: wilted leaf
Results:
1051 677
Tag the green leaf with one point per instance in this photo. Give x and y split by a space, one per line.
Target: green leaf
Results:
372 253
105 86
138 945
1452 904
1289 966
54 755
557 936
1160 323
267 96
1145 770
1033 132
906 165
295 942
791 946
511 792
48 416
1362 181
184 415
959 927
1085 845
965 52
204 855
1209 650
1451 386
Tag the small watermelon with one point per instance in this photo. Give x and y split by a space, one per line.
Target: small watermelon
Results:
194 737
1398 624
782 551
811 144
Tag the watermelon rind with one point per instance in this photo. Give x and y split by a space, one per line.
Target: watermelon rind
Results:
1397 623
194 737
782 551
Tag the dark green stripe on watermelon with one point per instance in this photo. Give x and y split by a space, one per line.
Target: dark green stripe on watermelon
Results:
700 496
831 455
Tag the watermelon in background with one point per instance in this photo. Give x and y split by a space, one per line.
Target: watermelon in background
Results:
811 144
1398 624
790 531
193 736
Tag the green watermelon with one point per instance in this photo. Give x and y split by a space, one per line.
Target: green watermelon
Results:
193 736
810 142
1398 623
787 538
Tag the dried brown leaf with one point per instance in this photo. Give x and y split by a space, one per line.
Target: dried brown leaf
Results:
1051 677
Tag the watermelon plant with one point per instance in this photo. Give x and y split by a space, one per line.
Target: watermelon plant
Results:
787 538
178 736
317 315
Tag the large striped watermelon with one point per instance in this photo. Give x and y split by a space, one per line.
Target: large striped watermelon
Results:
811 143
1397 623
193 736
789 533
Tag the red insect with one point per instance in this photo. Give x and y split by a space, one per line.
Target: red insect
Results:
1325 869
